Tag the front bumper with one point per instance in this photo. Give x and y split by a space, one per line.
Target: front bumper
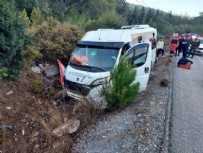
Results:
92 94
77 88
74 95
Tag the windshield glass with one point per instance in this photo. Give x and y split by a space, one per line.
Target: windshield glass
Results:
93 59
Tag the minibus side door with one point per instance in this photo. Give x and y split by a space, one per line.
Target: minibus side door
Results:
140 56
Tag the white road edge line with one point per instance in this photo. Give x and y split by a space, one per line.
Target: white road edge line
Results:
200 60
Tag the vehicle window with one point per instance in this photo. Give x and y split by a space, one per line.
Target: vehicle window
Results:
201 41
94 59
138 56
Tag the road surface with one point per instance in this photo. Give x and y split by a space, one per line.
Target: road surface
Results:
186 131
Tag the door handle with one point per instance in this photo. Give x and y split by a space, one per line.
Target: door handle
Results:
146 69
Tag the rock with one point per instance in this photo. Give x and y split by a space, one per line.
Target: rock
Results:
36 69
34 137
59 131
9 108
70 127
42 68
36 148
140 116
23 132
56 145
15 137
137 124
73 126
5 127
51 70
56 103
9 93
24 120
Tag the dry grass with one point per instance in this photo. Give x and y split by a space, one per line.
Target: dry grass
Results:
36 116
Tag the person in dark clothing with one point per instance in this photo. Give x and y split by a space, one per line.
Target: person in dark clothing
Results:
189 41
154 42
194 45
179 48
184 46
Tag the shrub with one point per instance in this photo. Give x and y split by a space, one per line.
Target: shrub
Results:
164 82
37 86
121 92
111 20
13 40
30 53
4 72
10 74
56 39
107 20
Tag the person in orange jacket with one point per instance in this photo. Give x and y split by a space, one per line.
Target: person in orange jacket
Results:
173 43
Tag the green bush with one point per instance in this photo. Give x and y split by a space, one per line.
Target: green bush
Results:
37 86
9 73
112 20
30 53
13 40
3 72
121 92
56 39
107 20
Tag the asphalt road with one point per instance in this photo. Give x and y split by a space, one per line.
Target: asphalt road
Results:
186 131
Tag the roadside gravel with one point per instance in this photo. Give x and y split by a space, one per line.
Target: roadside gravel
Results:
139 128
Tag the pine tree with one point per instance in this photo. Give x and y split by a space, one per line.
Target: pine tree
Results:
25 19
121 92
142 17
134 18
150 15
36 16
46 10
12 40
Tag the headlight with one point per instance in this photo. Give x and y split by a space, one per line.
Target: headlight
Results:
101 81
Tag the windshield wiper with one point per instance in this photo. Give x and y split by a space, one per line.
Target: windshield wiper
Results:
97 68
93 68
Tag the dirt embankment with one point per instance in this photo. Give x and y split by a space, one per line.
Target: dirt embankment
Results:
29 114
